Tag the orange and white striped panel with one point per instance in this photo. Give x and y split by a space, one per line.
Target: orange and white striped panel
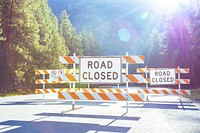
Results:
182 81
182 70
178 70
69 78
48 81
100 96
134 78
133 59
143 70
104 90
69 59
55 90
164 91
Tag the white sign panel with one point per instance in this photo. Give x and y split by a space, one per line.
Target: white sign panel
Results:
162 77
54 74
100 70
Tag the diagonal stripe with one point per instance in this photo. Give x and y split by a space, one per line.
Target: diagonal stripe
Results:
71 77
60 96
38 82
74 95
53 90
129 59
45 71
187 81
89 96
155 91
141 57
146 91
135 97
132 78
174 92
37 72
104 96
68 59
184 92
119 96
165 92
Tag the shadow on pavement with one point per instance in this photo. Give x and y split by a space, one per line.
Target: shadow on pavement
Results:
164 105
59 127
90 116
56 102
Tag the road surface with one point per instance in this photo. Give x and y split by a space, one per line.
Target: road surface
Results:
162 114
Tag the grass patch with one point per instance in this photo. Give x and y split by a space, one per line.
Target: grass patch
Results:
18 92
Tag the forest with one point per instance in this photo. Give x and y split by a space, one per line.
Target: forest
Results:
34 33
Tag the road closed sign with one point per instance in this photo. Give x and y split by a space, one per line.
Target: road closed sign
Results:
100 70
162 77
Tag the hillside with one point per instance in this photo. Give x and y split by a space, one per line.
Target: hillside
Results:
118 25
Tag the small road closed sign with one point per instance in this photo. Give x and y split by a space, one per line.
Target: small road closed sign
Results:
100 70
162 76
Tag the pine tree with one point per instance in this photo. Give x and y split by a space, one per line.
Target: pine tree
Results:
90 45
72 39
32 41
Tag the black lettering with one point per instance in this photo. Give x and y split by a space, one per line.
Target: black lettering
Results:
109 75
103 76
160 79
164 79
90 64
164 73
115 75
109 64
84 75
168 73
172 79
103 65
96 64
153 80
96 75
160 73
89 76
156 73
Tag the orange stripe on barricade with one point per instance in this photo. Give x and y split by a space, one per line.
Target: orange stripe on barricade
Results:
53 90
119 97
45 71
46 91
156 92
60 96
104 96
136 97
37 72
146 91
71 77
132 78
175 92
165 92
89 96
69 59
129 59
74 95
184 92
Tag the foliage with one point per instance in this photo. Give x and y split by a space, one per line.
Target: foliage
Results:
90 45
72 39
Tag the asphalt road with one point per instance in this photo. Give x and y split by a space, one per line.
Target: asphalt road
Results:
162 114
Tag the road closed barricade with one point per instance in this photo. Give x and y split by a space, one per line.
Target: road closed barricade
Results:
164 76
